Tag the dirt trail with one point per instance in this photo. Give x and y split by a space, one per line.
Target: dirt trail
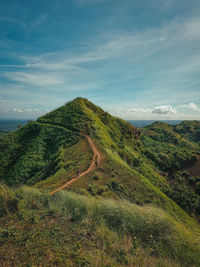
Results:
94 164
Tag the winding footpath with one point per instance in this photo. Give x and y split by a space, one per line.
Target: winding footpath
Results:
94 164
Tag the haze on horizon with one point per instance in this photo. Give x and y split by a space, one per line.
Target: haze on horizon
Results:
135 59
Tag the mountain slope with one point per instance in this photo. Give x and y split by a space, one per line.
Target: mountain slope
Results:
95 163
48 152
147 166
189 130
174 152
68 229
33 152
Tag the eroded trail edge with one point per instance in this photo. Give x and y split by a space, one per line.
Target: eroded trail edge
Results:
94 164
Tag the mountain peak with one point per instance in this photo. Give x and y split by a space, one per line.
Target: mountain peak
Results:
81 115
72 115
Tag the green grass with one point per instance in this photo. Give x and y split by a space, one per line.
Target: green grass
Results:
145 171
189 130
77 156
172 151
47 153
33 152
115 180
68 228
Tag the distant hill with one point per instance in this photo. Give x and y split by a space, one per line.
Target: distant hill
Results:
143 123
148 167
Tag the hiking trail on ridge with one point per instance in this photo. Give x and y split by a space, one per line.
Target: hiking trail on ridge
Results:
96 159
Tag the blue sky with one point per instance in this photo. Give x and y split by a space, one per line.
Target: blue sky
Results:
136 59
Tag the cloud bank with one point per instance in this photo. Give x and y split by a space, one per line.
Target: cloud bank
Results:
164 110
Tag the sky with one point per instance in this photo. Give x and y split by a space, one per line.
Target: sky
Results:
137 59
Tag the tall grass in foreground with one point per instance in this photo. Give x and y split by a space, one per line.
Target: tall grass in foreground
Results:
8 200
147 225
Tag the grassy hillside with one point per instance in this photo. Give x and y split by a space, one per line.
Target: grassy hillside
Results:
81 115
48 152
143 154
173 150
74 230
167 148
150 168
34 152
189 130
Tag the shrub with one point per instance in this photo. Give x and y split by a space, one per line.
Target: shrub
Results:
8 200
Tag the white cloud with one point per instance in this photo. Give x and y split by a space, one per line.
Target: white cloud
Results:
191 29
191 106
18 110
162 112
32 78
139 110
166 109
55 66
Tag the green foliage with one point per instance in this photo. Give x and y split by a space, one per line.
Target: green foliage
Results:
8 200
174 150
189 130
67 228
82 116
70 116
31 153
158 147
186 198
35 152
198 188
77 156
168 149
150 165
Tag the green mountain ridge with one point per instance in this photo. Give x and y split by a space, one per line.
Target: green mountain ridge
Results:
149 166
